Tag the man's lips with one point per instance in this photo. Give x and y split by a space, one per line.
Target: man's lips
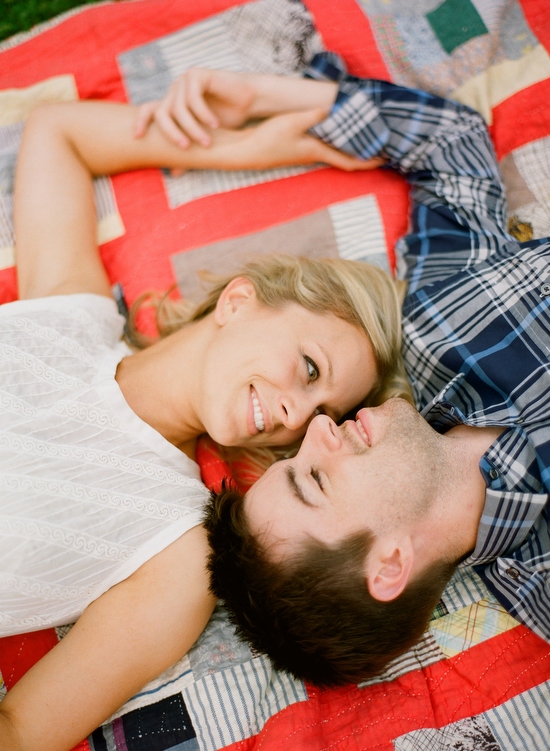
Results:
363 425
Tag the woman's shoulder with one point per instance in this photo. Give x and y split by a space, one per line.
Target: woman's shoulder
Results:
89 318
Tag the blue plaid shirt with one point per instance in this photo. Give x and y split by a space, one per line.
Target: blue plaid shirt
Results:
476 319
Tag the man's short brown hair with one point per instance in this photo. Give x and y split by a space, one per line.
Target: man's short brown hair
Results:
313 614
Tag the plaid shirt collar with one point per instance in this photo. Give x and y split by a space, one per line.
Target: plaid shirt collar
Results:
508 515
506 521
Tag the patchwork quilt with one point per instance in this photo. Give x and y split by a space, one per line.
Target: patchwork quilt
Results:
477 680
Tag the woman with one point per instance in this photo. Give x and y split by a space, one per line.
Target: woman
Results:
101 506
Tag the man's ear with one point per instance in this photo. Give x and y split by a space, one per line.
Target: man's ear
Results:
388 568
238 292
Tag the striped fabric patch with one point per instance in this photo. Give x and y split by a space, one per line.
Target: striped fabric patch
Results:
15 106
235 703
424 653
523 722
261 36
359 230
464 589
199 183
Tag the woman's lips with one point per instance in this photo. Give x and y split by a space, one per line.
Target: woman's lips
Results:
258 415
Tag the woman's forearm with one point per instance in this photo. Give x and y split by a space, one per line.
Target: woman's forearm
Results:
64 146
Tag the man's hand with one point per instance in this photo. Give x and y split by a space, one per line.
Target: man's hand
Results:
198 101
279 141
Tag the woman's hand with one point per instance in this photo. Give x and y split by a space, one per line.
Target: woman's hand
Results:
198 101
201 100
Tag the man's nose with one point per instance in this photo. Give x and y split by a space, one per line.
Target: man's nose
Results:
323 435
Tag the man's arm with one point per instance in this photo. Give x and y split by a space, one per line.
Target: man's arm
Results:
444 150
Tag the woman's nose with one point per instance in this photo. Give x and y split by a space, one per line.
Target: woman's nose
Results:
297 412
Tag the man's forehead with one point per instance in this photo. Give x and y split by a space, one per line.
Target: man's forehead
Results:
267 512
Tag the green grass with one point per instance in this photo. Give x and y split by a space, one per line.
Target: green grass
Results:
21 15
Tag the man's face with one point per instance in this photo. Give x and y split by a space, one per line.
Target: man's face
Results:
377 472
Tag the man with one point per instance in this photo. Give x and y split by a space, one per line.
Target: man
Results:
333 562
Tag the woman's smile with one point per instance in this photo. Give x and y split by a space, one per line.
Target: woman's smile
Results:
257 418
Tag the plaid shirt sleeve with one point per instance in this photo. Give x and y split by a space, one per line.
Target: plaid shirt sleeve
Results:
476 341
443 149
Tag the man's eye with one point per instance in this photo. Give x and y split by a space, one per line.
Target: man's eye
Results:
317 477
312 369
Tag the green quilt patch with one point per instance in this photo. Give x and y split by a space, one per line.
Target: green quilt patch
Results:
456 22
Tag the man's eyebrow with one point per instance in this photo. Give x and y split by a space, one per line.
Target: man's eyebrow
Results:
296 489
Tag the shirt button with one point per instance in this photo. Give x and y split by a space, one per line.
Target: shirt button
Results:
513 573
493 473
545 289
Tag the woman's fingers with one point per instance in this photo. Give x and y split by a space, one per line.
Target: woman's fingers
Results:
186 107
159 112
182 114
144 117
198 84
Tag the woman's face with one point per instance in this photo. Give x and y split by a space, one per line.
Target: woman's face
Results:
269 371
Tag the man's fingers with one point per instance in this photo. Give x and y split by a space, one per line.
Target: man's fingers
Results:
342 161
178 104
304 120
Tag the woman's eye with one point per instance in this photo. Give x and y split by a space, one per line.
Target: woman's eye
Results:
312 369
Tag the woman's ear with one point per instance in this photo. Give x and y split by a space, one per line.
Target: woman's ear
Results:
238 292
388 568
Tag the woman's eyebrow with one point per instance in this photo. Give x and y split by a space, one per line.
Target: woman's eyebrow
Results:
330 374
290 473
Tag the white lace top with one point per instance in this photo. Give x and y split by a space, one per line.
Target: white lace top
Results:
88 491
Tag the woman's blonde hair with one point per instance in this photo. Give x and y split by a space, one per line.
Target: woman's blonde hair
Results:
361 294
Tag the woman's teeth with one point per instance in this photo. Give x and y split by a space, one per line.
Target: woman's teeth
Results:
258 414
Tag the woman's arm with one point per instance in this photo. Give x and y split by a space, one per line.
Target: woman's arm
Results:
123 640
65 145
